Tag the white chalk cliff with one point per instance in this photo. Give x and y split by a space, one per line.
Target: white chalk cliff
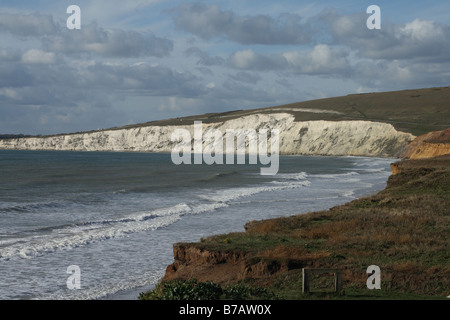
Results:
334 138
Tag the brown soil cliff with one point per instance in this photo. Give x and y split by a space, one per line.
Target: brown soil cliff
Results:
432 144
217 266
427 146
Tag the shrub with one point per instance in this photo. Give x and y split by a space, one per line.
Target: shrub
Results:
194 290
183 290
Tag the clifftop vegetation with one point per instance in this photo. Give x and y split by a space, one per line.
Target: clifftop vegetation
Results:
403 229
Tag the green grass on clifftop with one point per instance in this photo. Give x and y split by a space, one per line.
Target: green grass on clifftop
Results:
403 229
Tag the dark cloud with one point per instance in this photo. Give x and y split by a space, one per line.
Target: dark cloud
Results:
28 25
71 97
9 55
14 75
142 79
57 80
127 79
248 77
93 39
204 58
209 21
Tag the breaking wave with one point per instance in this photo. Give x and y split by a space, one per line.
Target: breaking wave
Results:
64 237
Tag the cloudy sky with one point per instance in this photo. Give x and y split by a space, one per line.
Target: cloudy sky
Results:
141 60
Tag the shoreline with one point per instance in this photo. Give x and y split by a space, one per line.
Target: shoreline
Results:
410 193
128 294
133 293
240 214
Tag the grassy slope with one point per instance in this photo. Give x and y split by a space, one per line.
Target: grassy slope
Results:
414 111
404 230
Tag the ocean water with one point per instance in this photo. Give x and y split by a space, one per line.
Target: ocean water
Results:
117 215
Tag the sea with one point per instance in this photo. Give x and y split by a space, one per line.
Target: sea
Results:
101 225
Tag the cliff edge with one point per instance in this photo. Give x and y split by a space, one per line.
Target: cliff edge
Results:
427 146
403 229
432 144
378 124
332 138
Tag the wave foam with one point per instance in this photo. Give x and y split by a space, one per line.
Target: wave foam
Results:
291 181
104 290
335 175
81 234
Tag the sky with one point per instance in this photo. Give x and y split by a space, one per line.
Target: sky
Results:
142 60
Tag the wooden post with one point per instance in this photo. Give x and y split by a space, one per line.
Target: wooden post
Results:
338 281
305 283
306 272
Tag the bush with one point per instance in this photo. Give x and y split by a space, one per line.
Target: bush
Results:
187 290
193 290
244 292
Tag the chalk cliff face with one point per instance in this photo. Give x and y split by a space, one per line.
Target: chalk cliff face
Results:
335 138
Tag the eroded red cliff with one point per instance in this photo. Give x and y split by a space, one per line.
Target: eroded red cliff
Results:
432 144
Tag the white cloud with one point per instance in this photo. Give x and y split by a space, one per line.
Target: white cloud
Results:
38 56
251 60
9 93
327 59
244 59
321 59
420 30
385 75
